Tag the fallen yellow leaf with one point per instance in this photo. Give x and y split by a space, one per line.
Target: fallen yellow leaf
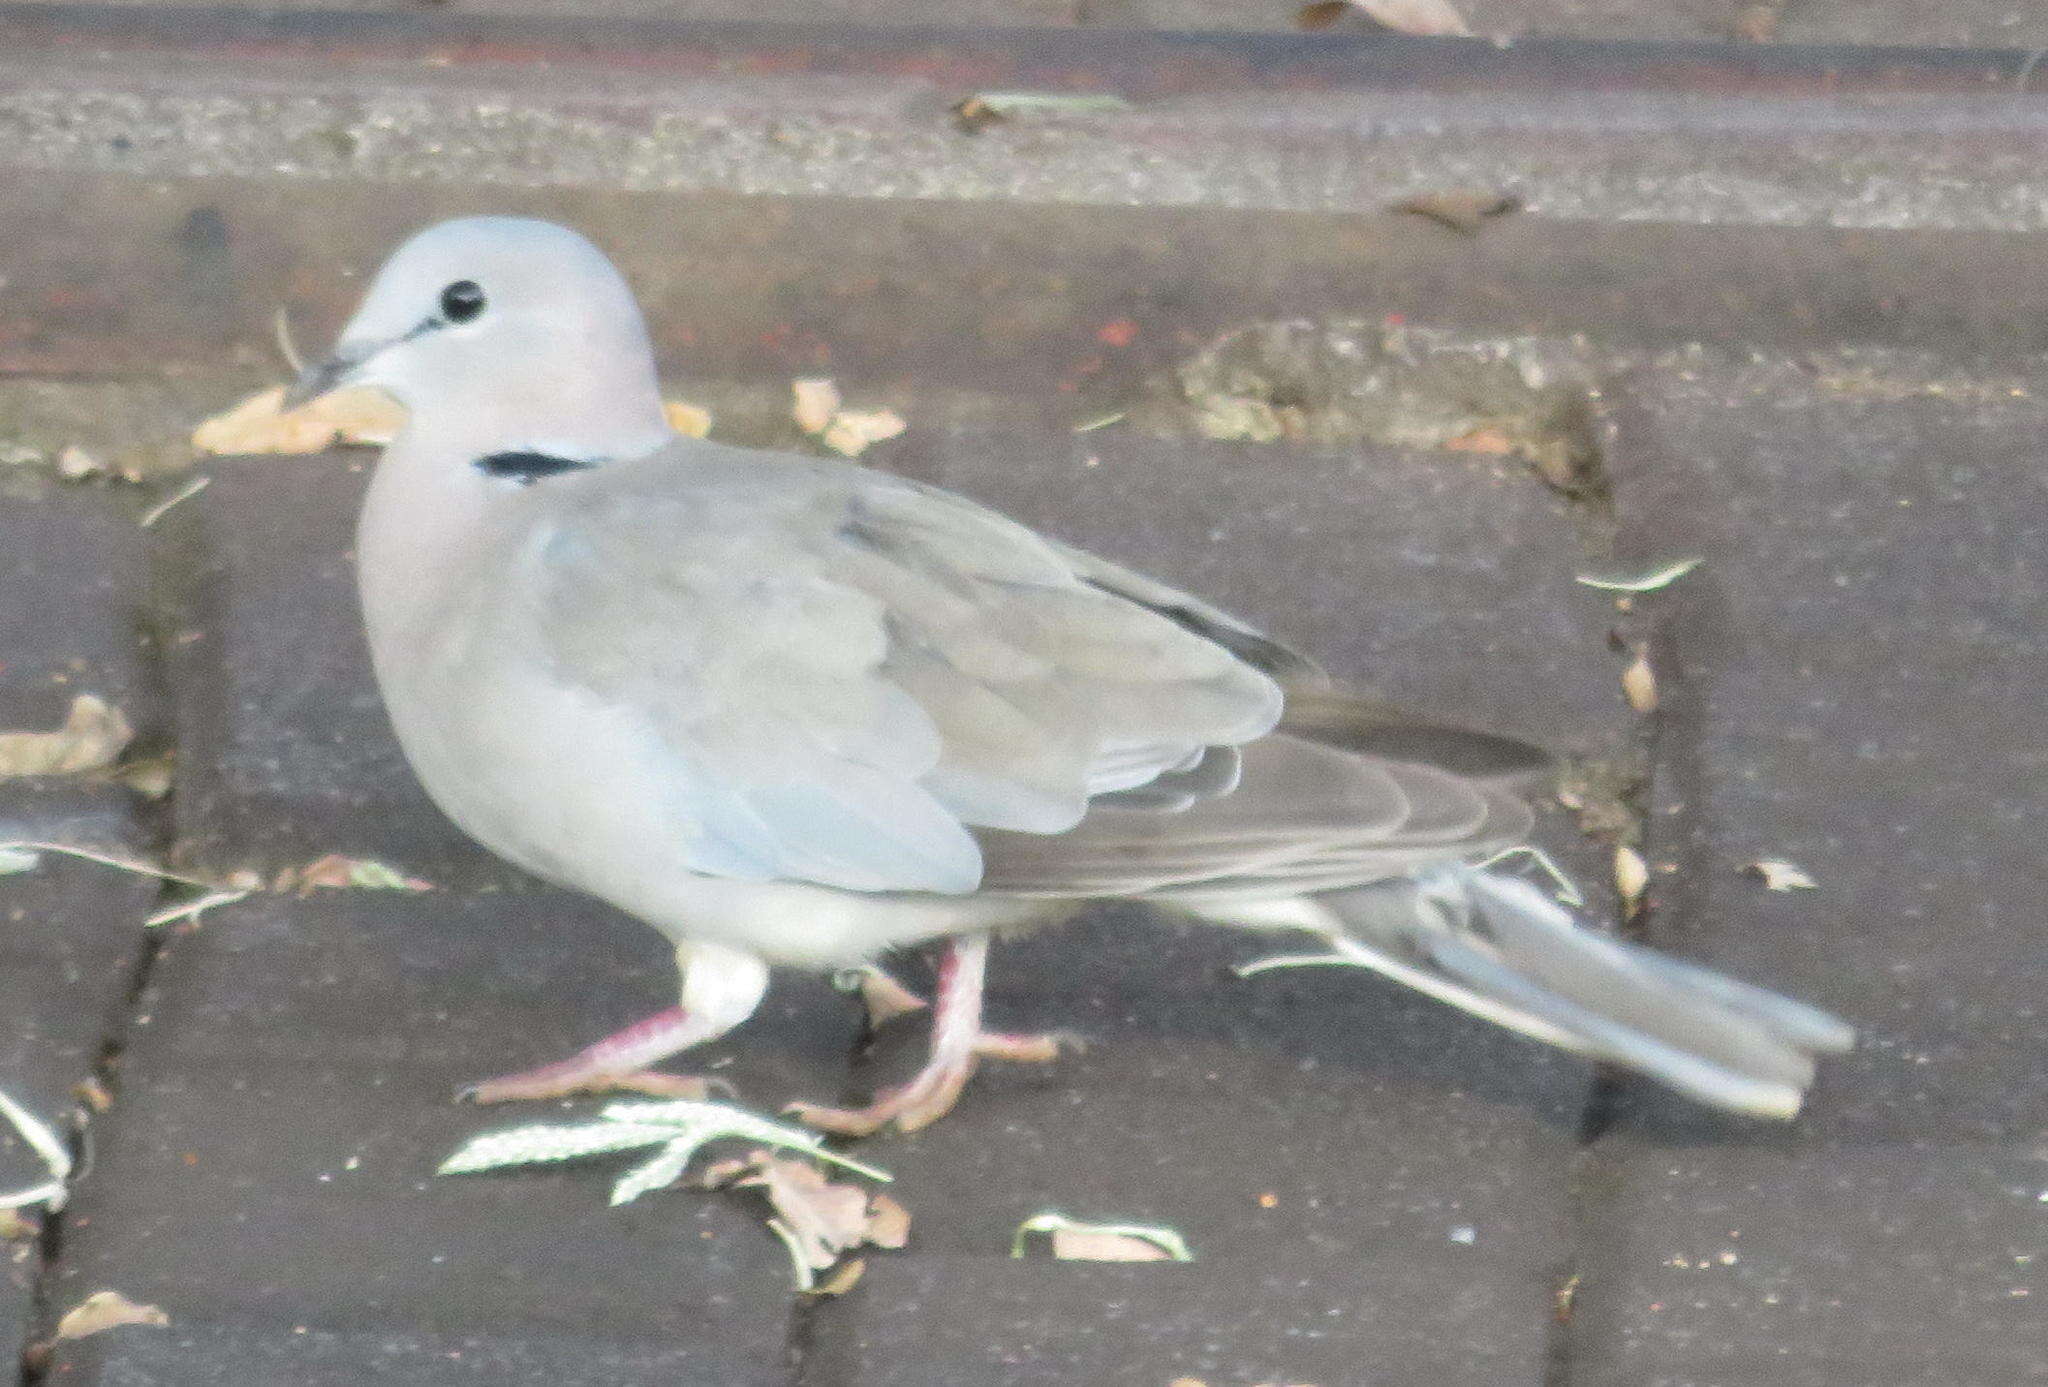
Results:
1639 683
103 1310
260 424
816 402
1631 877
1423 17
691 421
851 431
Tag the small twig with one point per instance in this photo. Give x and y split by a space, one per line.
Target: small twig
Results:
1566 889
1101 421
1279 961
126 864
193 909
183 493
805 1278
281 324
1661 577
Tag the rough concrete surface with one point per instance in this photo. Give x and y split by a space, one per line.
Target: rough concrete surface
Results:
1895 1233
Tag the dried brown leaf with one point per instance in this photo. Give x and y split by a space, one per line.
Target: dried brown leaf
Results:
91 1092
92 736
1463 212
816 404
1639 683
334 872
691 421
1097 1245
104 1310
822 1218
1427 18
1485 439
888 1222
260 424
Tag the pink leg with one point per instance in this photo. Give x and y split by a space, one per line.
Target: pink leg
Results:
721 988
619 1061
958 1043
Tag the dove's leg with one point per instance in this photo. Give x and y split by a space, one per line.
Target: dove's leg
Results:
721 988
958 1044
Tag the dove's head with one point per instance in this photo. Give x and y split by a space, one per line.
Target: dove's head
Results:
504 333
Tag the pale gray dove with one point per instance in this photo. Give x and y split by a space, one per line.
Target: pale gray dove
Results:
800 712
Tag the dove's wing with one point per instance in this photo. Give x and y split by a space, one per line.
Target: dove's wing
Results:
845 672
1310 812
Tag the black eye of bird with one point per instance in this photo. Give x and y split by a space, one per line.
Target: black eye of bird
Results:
462 301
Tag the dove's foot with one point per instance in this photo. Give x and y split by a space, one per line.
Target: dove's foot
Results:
721 988
618 1062
958 1045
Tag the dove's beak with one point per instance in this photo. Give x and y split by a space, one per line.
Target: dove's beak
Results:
323 376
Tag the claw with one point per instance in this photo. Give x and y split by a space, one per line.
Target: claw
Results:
958 1045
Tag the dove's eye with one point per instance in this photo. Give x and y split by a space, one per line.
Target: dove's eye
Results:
462 301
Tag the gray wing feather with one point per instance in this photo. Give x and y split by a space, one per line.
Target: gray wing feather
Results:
844 672
1305 816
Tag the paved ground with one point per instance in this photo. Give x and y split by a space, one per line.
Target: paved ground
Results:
1842 421
1960 23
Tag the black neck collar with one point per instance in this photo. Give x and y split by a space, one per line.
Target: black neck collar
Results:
526 467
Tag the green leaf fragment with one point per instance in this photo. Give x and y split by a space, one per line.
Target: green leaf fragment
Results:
548 1143
681 1128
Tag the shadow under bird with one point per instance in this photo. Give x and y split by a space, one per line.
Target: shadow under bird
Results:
798 712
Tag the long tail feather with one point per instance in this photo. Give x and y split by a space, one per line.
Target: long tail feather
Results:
1495 946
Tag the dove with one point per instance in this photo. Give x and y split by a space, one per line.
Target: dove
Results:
796 712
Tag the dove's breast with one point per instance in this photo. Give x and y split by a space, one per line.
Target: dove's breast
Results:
579 790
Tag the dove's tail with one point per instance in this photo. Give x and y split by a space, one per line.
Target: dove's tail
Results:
1498 947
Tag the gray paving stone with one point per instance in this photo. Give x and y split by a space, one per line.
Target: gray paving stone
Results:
1920 1267
944 1320
73 569
1850 686
284 1103
286 751
71 936
74 566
